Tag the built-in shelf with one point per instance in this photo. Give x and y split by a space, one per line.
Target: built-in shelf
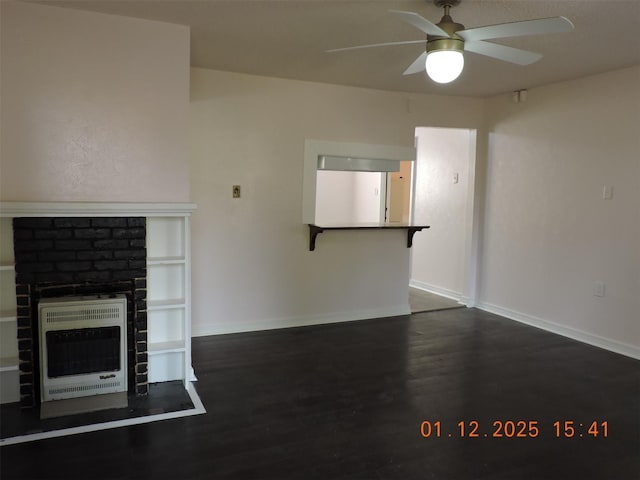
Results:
9 362
315 230
168 295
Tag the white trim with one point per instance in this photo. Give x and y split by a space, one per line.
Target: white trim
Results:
443 292
570 332
302 321
94 209
197 410
469 302
383 197
472 223
188 367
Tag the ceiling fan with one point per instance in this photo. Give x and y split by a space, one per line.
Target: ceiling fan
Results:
446 40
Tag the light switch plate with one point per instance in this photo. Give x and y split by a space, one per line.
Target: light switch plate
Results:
598 289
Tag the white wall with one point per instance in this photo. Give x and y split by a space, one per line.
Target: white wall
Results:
367 197
334 197
94 107
347 198
438 258
548 233
252 264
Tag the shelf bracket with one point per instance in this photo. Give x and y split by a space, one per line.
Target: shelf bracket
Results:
314 231
410 232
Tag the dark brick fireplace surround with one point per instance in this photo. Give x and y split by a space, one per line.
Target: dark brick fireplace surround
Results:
71 256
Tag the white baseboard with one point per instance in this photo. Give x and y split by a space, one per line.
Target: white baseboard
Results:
443 292
201 330
468 301
570 332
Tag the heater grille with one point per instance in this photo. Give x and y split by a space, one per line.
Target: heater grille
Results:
83 350
82 314
84 388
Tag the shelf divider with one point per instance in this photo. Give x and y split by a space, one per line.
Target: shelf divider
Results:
166 347
8 364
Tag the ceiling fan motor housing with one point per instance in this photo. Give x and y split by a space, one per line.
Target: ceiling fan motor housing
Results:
446 3
453 41
443 43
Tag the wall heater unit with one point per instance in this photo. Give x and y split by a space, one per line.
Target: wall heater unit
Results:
83 346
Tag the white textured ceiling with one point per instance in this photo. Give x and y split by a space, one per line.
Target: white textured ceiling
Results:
288 39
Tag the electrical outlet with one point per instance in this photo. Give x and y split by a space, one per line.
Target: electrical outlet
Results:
455 177
236 191
607 192
598 289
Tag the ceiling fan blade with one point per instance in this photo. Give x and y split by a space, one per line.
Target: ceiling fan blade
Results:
417 66
517 29
420 23
373 45
502 52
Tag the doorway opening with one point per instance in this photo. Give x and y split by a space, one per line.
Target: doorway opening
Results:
443 262
398 194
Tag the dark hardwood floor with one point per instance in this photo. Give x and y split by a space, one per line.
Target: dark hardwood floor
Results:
424 301
347 401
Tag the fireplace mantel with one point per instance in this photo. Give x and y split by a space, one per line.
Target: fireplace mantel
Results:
94 209
167 314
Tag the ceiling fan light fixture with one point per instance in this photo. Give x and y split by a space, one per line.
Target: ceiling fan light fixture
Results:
445 60
444 66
